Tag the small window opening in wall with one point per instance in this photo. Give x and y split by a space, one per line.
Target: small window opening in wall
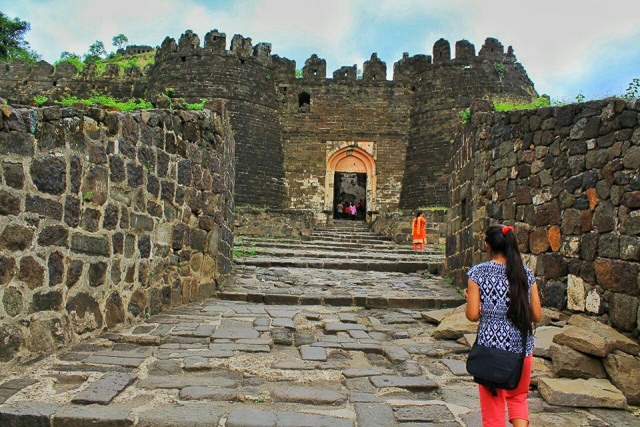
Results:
215 38
315 72
373 77
413 88
283 89
345 74
93 86
304 100
242 61
55 83
26 82
184 59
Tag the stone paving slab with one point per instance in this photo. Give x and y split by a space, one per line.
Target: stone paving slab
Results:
256 418
188 414
103 390
410 383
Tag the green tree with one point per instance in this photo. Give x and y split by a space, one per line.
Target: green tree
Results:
96 52
13 46
68 55
119 41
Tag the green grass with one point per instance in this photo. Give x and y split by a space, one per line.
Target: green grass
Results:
506 104
434 208
196 106
39 100
241 252
107 101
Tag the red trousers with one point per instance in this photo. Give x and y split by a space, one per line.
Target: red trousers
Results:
493 408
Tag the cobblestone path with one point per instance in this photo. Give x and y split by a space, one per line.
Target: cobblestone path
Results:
296 346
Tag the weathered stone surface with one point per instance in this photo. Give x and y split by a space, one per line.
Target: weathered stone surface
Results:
90 245
617 276
575 293
540 368
16 237
544 336
12 301
584 340
208 393
457 367
9 203
610 335
436 316
622 311
454 327
372 414
410 383
49 175
103 390
573 364
188 414
313 353
424 414
591 393
31 272
309 395
187 380
240 417
333 327
624 372
196 363
23 414
80 415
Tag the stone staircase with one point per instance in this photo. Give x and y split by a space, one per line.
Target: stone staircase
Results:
342 246
342 264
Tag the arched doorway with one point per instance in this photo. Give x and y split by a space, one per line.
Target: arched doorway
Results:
355 168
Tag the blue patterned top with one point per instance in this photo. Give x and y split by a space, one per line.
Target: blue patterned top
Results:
495 330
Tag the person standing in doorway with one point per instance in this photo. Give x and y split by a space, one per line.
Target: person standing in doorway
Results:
419 231
360 209
503 294
354 212
339 210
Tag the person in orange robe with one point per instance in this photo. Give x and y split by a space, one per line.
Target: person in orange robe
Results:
419 231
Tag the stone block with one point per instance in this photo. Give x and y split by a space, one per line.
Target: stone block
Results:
570 363
624 372
617 276
105 389
591 393
16 237
575 293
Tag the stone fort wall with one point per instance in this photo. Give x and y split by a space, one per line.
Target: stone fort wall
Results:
282 147
106 217
568 180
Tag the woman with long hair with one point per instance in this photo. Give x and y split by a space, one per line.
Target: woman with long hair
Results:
502 293
419 231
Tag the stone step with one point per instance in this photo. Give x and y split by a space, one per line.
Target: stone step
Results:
342 300
311 252
337 246
358 264
356 239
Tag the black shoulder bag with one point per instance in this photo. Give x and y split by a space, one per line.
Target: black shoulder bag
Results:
495 368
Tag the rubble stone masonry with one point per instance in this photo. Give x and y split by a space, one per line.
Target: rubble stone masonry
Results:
108 217
568 180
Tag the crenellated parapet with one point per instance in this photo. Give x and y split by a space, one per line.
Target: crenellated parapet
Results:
346 74
315 69
374 69
409 67
189 46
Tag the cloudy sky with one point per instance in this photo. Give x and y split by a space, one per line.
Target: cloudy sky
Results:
567 46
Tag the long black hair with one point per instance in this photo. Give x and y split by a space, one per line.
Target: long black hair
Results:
503 240
418 214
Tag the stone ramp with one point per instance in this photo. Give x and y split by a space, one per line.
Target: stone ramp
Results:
236 364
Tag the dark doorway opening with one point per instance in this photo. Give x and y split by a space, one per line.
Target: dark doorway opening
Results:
349 187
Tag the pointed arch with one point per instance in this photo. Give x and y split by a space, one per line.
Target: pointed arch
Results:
351 159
